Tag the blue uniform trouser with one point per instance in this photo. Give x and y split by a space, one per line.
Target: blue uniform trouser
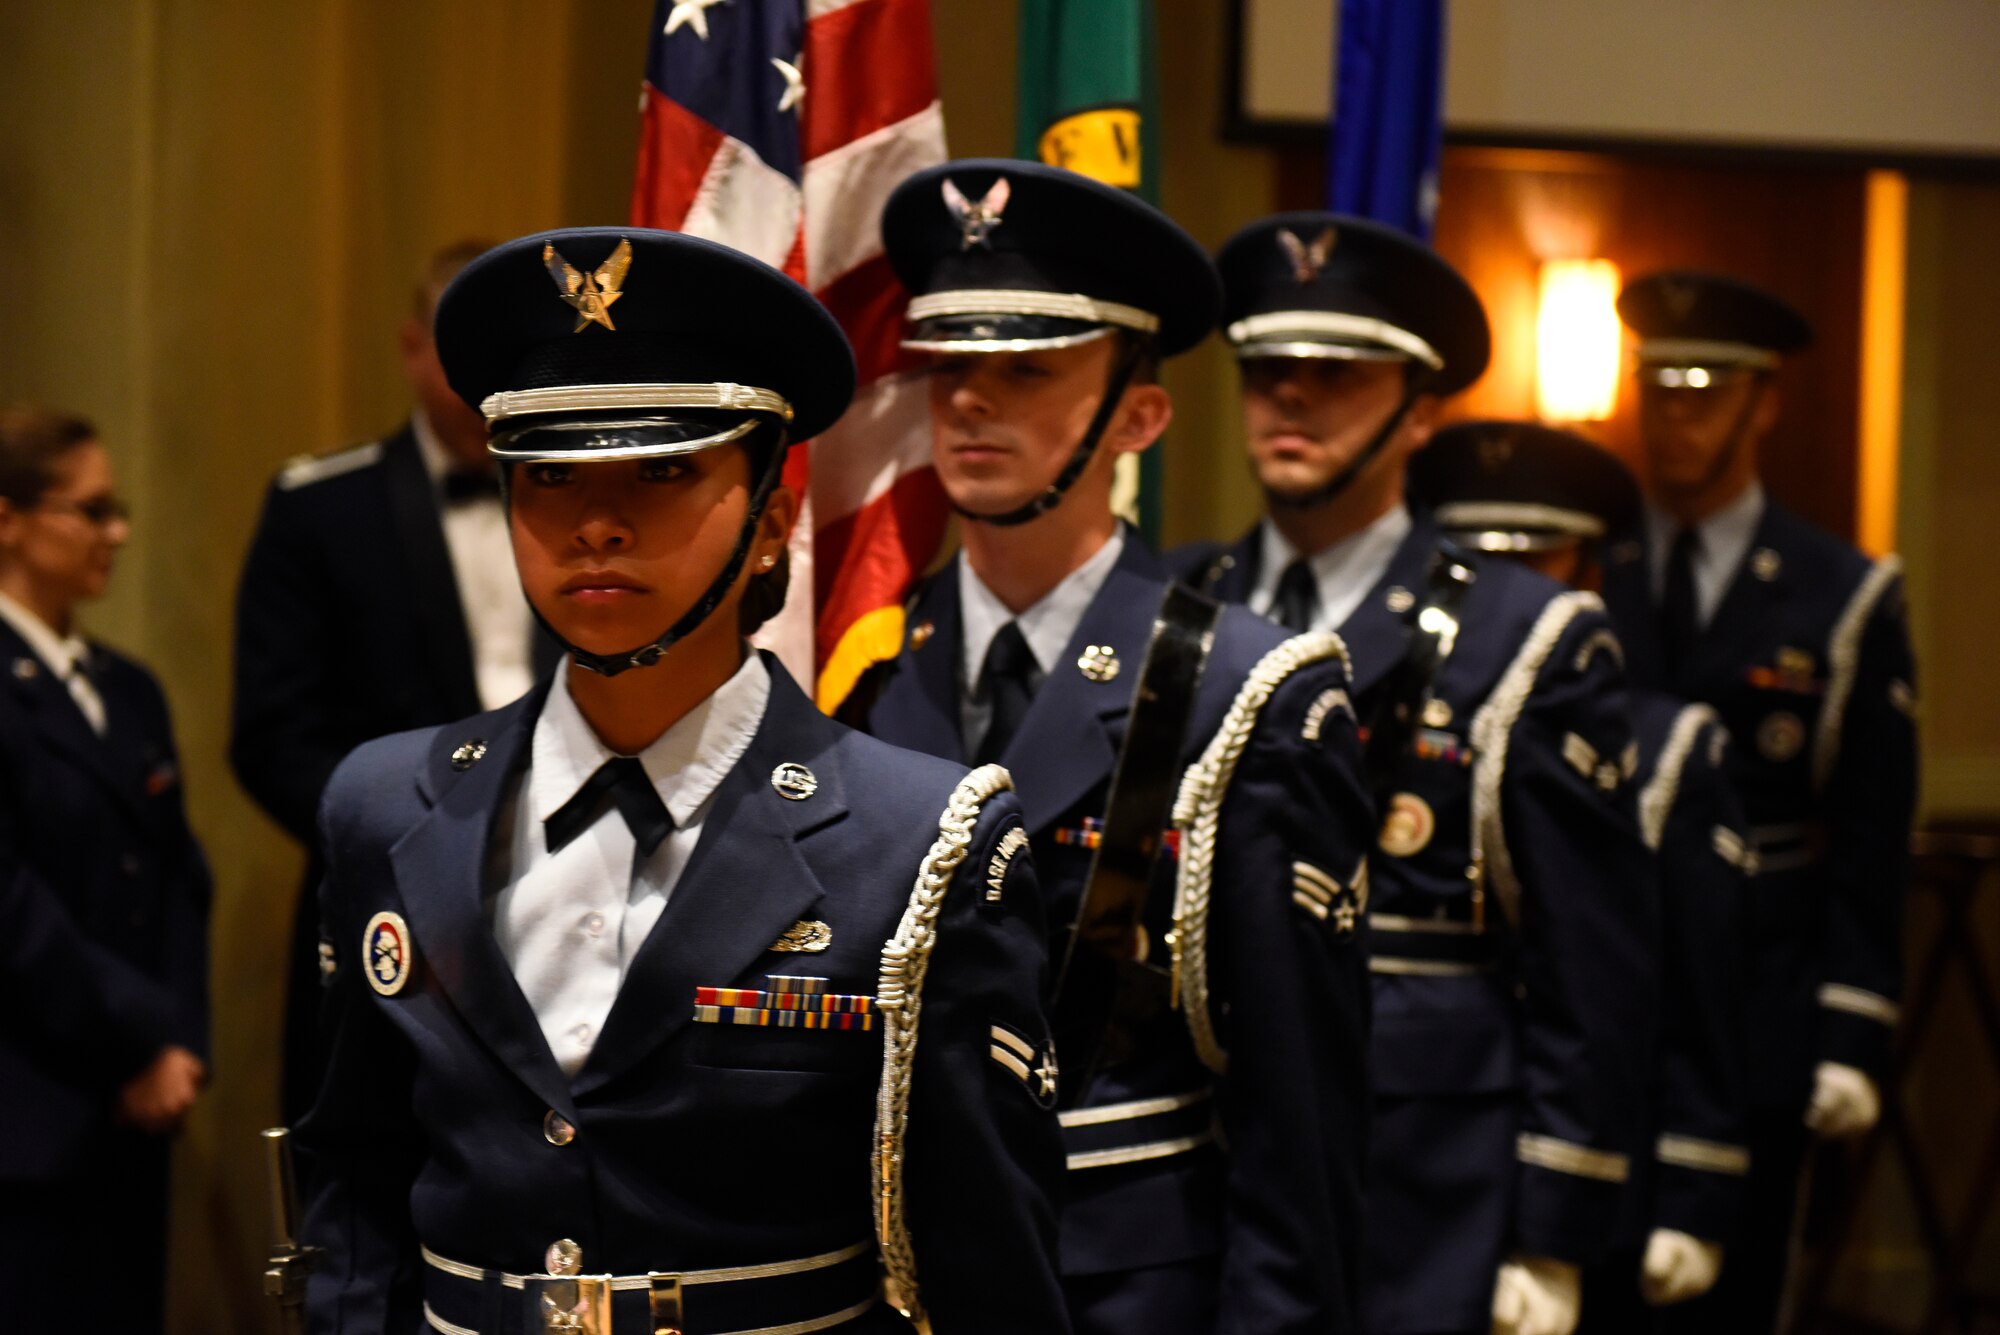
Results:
1178 1298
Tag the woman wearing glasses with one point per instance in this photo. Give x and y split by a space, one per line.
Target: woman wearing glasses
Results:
104 893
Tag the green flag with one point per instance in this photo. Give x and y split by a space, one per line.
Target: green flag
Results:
1089 100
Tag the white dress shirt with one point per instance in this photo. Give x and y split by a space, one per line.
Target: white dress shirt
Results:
1047 626
570 922
1343 573
65 655
1724 540
497 619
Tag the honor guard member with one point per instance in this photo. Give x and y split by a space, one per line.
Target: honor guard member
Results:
105 895
378 595
1798 642
1513 931
661 1001
1211 1002
1547 498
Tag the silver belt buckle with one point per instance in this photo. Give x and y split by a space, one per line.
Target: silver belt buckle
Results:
572 1303
575 1304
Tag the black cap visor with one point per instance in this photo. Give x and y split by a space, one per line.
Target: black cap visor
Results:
601 439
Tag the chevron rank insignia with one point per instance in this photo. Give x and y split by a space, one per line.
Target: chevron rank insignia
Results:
1032 1065
789 1002
1325 898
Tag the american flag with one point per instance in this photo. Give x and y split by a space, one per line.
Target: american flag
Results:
779 127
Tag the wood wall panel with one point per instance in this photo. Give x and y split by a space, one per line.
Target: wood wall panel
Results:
1796 230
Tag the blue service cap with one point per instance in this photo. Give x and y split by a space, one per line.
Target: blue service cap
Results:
624 342
1692 325
1327 285
1002 255
1521 486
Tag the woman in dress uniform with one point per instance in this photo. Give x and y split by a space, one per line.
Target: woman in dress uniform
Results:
104 893
628 978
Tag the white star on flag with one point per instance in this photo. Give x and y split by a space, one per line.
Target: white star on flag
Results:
691 13
795 84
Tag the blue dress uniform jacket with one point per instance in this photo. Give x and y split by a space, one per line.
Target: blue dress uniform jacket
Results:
1161 1227
680 1146
105 895
1514 938
348 628
1693 1175
103 963
1807 662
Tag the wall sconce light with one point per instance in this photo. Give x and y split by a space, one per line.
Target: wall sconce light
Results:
1577 341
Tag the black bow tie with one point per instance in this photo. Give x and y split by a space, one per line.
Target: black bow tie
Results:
464 484
623 782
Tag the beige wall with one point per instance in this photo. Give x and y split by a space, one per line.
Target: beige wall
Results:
219 206
1951 489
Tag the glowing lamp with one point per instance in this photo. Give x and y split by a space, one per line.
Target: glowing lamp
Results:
1577 341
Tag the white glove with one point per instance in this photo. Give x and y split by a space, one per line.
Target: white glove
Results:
1535 1295
1678 1267
1844 1102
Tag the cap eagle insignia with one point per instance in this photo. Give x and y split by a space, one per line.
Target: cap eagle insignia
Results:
977 221
590 295
1307 259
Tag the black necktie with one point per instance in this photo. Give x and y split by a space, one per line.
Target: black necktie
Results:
1007 683
622 781
1680 621
465 484
1297 598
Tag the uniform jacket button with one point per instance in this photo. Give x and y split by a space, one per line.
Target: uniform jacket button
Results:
557 1129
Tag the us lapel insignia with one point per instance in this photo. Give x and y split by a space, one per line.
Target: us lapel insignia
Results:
1399 600
1437 714
1408 826
329 963
795 783
1780 736
997 866
26 669
805 936
1307 258
468 754
387 953
590 294
1795 662
1765 564
1098 662
977 221
920 634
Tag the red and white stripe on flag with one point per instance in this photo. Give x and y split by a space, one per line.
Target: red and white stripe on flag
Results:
873 512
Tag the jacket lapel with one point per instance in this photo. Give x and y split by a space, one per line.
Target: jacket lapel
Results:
1743 617
746 883
1628 597
419 529
60 721
918 706
1066 745
439 867
1378 630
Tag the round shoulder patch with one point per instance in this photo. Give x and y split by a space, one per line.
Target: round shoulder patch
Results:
387 953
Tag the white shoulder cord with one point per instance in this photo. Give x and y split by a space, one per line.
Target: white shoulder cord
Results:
906 958
1198 814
